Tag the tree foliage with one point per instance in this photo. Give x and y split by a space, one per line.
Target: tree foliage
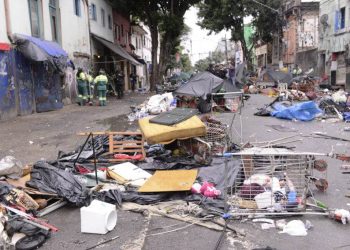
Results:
165 17
218 15
215 57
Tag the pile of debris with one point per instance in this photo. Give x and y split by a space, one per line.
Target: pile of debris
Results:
180 164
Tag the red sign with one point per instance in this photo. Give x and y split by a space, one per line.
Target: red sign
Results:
4 46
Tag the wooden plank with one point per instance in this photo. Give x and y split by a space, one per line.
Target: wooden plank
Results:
110 141
127 151
126 142
111 133
170 181
126 146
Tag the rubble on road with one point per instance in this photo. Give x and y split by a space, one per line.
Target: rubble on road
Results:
181 165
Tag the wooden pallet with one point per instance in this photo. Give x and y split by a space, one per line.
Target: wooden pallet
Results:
122 147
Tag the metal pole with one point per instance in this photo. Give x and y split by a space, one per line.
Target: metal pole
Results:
93 151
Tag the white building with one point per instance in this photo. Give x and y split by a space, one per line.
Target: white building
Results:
141 41
52 20
334 40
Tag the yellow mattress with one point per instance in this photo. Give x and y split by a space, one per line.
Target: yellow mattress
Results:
157 133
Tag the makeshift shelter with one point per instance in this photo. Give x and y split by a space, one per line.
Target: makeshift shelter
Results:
40 64
201 85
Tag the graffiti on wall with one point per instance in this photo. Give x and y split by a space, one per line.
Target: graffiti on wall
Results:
308 32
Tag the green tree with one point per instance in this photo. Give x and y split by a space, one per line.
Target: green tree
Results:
218 15
214 57
164 17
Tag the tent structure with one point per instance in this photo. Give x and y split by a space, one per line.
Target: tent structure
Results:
39 50
200 85
276 76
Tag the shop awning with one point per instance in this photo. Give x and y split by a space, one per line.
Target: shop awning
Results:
39 50
117 49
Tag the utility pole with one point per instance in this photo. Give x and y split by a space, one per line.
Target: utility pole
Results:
226 50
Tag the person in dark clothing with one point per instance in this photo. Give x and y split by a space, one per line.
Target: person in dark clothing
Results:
133 80
119 84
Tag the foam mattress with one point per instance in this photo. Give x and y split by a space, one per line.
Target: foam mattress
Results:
157 133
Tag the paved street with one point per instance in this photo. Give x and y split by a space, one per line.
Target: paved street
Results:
54 131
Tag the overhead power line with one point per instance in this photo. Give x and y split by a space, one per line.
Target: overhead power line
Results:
266 6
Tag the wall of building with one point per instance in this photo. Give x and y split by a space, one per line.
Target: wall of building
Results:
122 21
308 32
290 40
334 41
75 32
96 25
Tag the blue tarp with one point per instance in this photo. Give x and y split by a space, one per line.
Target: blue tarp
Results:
51 48
39 50
305 111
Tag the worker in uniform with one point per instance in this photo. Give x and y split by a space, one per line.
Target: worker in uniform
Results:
120 83
297 71
90 87
82 87
101 82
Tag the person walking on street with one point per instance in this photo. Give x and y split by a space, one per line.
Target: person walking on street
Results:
120 84
101 82
82 87
90 87
133 80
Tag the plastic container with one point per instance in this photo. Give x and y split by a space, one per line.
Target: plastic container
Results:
264 200
98 218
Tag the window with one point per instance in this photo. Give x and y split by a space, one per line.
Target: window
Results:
342 18
144 41
339 19
34 17
122 27
103 17
93 12
77 9
109 22
54 19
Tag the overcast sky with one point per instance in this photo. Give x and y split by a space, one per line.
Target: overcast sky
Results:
202 43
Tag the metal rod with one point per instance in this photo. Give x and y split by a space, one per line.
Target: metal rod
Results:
93 151
81 150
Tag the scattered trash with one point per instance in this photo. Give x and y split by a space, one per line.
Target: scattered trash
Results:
11 167
295 228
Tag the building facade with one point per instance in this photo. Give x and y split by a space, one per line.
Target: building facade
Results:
29 84
334 40
300 33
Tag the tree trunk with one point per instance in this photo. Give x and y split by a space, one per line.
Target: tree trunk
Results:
164 57
154 73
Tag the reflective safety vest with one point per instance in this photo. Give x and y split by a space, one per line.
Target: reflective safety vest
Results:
89 78
101 81
81 79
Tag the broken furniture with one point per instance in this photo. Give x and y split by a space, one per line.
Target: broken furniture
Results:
122 143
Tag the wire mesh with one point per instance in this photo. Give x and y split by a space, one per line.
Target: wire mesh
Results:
273 182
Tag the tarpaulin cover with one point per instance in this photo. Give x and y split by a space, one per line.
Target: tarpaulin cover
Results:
305 111
47 178
41 50
201 85
174 116
277 76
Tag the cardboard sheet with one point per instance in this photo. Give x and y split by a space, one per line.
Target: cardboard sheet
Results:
128 173
170 180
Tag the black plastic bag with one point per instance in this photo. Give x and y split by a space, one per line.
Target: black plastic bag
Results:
47 178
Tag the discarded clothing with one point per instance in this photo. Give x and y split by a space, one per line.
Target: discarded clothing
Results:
47 178
305 111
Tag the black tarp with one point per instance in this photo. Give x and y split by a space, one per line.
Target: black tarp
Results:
277 76
47 178
200 85
39 50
